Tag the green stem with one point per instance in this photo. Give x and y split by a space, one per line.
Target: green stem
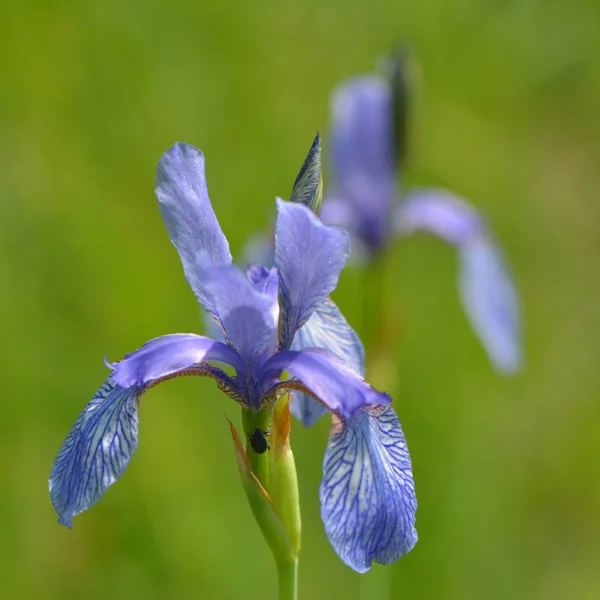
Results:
287 574
373 299
252 421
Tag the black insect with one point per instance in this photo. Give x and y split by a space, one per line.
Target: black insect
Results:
258 441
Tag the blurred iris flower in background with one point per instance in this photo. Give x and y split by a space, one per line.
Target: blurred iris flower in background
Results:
273 321
367 142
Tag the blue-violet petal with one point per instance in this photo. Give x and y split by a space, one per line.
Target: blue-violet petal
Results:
309 256
247 312
96 451
327 328
327 377
188 214
490 301
367 494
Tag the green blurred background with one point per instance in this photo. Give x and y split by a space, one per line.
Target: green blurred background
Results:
91 94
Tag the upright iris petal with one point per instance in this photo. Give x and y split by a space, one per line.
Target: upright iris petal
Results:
247 312
188 214
362 146
309 257
368 501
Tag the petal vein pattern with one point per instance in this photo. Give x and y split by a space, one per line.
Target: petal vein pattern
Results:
368 501
96 451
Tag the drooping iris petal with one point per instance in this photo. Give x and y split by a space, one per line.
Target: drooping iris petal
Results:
490 301
439 212
362 154
327 328
168 355
188 214
309 257
325 376
367 494
248 312
487 292
100 444
96 451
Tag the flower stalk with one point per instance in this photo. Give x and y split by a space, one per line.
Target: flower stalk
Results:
258 424
288 580
284 480
271 485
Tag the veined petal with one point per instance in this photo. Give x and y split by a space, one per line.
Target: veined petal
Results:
327 328
326 377
362 146
439 212
188 214
309 256
367 494
247 311
96 451
101 442
168 355
490 301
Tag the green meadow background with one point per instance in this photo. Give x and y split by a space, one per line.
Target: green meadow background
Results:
507 112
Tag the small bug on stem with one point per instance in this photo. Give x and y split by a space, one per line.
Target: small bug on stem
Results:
259 442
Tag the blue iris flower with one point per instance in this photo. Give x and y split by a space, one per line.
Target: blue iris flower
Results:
367 493
363 199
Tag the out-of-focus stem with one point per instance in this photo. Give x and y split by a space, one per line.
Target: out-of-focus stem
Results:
379 334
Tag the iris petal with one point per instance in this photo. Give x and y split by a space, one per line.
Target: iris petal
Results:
325 376
309 256
96 451
169 354
439 212
367 494
188 214
99 446
362 142
327 328
247 311
363 158
487 292
491 304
